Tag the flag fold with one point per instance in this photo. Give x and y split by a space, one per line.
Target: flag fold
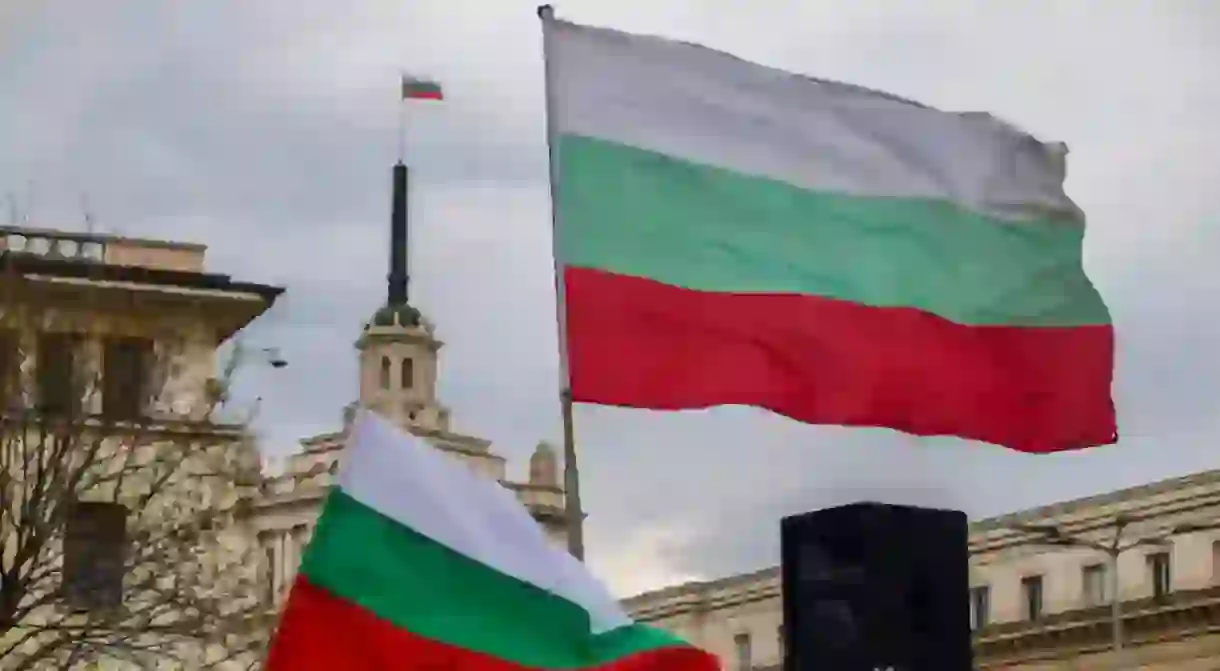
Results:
417 562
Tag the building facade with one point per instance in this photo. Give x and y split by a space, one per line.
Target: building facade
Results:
108 357
398 355
1034 607
93 291
398 361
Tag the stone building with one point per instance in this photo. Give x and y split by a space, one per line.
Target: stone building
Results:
108 352
155 292
1033 606
398 359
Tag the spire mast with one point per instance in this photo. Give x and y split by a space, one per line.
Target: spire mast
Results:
413 88
396 289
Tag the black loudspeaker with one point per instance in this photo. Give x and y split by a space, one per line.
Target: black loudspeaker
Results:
875 587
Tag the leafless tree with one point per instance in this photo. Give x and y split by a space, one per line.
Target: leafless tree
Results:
122 495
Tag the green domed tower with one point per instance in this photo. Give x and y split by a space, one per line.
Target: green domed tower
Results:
398 347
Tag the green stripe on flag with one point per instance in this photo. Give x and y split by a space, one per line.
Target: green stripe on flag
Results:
635 212
414 583
421 89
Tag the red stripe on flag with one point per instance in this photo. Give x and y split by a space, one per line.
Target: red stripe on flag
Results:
639 343
321 632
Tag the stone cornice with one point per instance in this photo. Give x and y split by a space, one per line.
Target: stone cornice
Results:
102 238
168 427
1157 499
1138 513
706 596
547 513
532 487
311 495
321 442
449 440
1169 486
1173 497
397 334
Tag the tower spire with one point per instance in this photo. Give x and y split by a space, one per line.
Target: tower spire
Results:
396 290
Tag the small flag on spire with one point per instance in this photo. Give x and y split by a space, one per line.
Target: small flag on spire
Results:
421 89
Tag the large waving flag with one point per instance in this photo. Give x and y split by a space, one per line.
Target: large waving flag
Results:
419 563
733 234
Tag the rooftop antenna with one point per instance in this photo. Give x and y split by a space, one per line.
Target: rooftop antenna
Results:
88 213
14 210
29 204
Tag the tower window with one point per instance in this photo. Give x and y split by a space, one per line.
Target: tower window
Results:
385 372
408 373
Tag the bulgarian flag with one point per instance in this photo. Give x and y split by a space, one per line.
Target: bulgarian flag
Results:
419 563
729 233
421 89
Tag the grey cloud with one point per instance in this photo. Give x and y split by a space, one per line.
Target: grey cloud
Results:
267 130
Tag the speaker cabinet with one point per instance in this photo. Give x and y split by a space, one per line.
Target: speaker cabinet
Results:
876 587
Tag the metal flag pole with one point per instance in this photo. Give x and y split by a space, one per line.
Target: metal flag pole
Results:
402 117
573 513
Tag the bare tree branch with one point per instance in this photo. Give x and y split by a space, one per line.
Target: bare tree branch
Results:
189 568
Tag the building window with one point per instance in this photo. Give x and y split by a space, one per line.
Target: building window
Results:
10 368
1158 572
300 542
268 543
1093 578
980 607
1031 591
385 372
126 367
407 373
95 548
58 391
744 655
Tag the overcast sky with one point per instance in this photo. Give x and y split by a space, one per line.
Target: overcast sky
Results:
267 129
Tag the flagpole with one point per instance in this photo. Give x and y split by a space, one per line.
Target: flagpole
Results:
573 513
402 118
